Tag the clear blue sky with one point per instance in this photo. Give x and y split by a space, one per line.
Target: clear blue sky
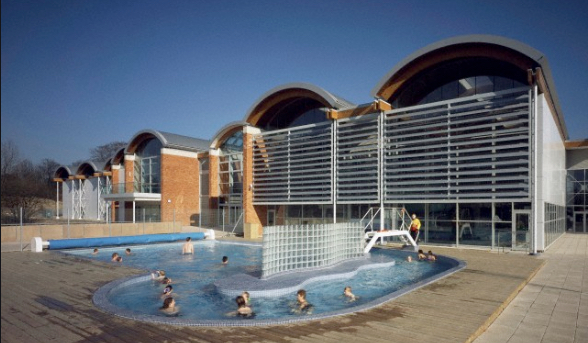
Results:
77 74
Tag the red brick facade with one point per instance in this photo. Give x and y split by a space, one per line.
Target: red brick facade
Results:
180 191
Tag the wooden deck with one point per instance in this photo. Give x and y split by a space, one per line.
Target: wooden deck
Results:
47 297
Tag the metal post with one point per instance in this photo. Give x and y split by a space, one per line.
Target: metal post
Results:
21 229
57 202
108 209
534 205
174 211
334 168
68 223
143 221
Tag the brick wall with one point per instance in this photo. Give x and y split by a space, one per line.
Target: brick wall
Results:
179 183
251 216
129 173
213 181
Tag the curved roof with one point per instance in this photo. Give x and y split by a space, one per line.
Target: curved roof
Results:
500 48
225 131
62 172
168 140
92 165
118 158
293 90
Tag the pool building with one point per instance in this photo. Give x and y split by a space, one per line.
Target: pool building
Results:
467 133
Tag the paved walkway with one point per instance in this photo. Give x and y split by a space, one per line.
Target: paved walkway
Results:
47 297
553 307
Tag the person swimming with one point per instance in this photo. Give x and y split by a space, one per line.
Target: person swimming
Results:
243 310
167 291
169 306
246 296
347 292
158 275
303 306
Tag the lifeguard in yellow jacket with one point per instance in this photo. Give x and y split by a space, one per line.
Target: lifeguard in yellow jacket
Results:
415 226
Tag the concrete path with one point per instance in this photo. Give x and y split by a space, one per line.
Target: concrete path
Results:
553 306
47 297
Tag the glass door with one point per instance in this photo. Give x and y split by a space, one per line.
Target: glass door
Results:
271 217
580 222
521 230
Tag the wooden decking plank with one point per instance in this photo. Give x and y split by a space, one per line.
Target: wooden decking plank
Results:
453 303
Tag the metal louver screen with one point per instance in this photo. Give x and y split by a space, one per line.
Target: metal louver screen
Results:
357 159
476 148
293 165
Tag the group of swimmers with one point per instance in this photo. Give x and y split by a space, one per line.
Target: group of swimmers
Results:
169 303
429 256
302 305
115 256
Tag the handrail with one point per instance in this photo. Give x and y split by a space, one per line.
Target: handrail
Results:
371 209
237 223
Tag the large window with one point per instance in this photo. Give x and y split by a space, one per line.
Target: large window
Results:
231 170
470 86
577 200
147 167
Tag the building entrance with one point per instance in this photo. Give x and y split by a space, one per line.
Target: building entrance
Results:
521 230
580 222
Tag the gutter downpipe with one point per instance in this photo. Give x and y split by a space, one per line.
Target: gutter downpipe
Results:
334 126
535 199
381 168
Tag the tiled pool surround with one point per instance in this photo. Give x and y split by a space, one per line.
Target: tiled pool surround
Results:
278 285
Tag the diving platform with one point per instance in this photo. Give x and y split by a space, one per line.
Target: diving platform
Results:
373 237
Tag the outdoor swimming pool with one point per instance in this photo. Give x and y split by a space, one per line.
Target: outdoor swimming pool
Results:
195 279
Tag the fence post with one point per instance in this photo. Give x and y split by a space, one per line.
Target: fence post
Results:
21 229
68 223
143 221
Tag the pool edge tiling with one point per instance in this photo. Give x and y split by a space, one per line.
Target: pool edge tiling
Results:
100 299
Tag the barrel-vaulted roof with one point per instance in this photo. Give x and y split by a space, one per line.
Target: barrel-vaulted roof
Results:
62 172
221 135
475 51
285 94
118 158
90 167
168 140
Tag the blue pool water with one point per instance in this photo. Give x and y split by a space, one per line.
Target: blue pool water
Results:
201 303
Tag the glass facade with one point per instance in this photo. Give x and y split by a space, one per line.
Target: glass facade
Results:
555 222
470 86
230 176
577 200
148 167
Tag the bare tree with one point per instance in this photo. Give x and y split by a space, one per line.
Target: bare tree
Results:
45 172
106 151
22 188
10 158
